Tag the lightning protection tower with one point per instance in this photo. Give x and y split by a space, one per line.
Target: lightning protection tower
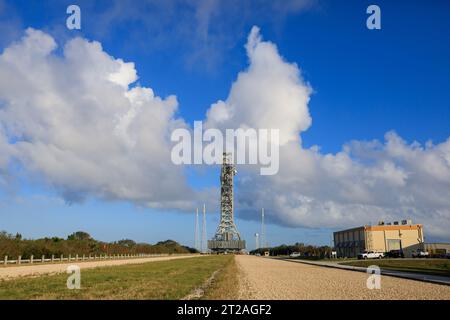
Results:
196 237
203 246
227 237
263 230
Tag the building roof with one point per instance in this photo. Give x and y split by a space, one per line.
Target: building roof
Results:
384 227
393 227
352 229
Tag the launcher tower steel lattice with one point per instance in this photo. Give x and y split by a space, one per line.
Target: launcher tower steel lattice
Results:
227 237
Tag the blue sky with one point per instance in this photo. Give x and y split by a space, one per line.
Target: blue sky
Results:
365 83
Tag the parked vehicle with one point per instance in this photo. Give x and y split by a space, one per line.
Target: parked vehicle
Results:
295 255
420 254
370 255
395 254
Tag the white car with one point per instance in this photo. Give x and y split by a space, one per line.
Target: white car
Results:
371 255
295 255
420 254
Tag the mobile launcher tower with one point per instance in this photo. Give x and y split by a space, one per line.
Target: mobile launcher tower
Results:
227 238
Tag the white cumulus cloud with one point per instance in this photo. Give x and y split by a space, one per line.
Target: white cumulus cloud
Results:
270 94
77 121
366 182
73 121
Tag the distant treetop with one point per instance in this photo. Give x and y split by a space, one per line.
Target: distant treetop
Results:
79 235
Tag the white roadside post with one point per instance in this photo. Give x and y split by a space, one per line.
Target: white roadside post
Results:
43 258
19 259
31 259
6 260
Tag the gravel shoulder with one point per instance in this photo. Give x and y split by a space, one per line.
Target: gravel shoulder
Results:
8 273
265 278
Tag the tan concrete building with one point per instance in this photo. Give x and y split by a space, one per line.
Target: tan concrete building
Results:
437 248
403 236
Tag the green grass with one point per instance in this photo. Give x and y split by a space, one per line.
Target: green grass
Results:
225 285
439 267
172 279
326 259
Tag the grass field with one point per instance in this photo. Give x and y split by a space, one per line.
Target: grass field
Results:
225 285
440 267
173 279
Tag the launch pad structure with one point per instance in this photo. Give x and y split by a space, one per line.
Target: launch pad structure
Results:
227 237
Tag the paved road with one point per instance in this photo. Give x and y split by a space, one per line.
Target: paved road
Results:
7 273
395 273
264 278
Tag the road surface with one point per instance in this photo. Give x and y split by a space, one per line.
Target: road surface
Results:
265 278
387 272
7 273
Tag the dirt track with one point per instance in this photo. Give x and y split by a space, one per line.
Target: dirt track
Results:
7 273
264 278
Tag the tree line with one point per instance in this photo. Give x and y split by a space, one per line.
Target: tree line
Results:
306 251
80 243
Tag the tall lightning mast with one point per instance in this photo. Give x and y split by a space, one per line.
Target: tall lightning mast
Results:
263 230
196 236
204 248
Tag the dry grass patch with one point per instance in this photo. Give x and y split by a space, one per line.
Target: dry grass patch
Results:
172 279
224 286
